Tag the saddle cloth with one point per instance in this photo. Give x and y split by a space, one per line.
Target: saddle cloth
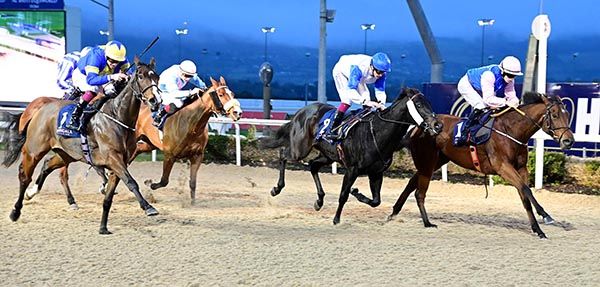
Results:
350 120
480 131
64 116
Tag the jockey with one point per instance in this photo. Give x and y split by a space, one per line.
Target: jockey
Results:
351 74
485 87
66 66
179 84
96 69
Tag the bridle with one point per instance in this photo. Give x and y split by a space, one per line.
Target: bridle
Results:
552 131
219 107
413 112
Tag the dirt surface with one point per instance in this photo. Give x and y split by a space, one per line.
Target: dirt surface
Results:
237 234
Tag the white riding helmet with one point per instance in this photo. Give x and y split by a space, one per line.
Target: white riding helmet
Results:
188 67
511 65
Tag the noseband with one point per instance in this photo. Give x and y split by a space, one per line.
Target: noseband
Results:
222 109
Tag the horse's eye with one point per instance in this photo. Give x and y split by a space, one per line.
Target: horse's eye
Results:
554 116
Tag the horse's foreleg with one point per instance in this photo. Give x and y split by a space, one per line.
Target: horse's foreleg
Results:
283 155
315 166
410 187
112 182
164 178
538 208
422 186
26 169
120 170
375 181
514 178
349 179
195 163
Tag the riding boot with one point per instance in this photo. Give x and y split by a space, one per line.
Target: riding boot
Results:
159 116
74 122
337 120
465 128
85 119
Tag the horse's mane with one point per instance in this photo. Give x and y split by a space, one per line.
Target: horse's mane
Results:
537 98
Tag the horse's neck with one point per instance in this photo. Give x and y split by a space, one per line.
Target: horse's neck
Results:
519 126
199 111
124 107
388 134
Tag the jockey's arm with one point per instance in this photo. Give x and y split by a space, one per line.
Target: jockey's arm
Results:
487 91
380 89
353 83
511 95
93 78
171 88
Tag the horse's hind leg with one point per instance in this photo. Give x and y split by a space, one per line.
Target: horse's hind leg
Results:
538 208
514 178
26 169
375 181
283 156
164 178
315 165
51 164
195 162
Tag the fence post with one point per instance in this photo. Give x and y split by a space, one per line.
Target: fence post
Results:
539 162
238 145
445 173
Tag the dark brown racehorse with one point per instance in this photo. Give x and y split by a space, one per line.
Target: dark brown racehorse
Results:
111 138
186 132
500 155
367 150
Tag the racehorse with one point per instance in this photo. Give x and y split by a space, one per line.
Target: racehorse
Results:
185 137
367 149
110 135
504 154
186 132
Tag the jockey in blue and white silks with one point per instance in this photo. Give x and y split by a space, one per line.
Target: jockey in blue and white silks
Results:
490 86
178 83
66 66
351 74
95 70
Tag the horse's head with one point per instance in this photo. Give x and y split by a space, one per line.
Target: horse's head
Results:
144 83
223 99
556 121
420 110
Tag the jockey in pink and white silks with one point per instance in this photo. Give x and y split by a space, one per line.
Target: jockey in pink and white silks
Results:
351 74
491 86
179 84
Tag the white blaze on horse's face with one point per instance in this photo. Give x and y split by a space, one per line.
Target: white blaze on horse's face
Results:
232 107
155 90
414 113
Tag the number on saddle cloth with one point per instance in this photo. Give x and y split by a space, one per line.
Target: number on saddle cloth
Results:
350 119
479 132
64 117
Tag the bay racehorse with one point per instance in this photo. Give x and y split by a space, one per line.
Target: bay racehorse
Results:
367 149
504 154
110 134
186 132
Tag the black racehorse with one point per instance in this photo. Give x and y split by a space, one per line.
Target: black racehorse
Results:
367 149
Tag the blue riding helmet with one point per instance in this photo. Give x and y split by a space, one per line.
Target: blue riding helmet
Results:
382 62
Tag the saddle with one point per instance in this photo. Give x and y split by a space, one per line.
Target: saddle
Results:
64 116
480 130
349 121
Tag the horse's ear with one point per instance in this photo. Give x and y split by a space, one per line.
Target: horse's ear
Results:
532 98
213 82
222 80
152 63
136 59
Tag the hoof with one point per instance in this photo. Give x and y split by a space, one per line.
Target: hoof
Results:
31 192
318 205
548 220
193 201
390 217
104 231
148 182
274 191
336 221
14 215
430 225
102 189
542 236
151 211
74 206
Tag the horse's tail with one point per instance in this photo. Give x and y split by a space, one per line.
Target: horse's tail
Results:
281 137
15 141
